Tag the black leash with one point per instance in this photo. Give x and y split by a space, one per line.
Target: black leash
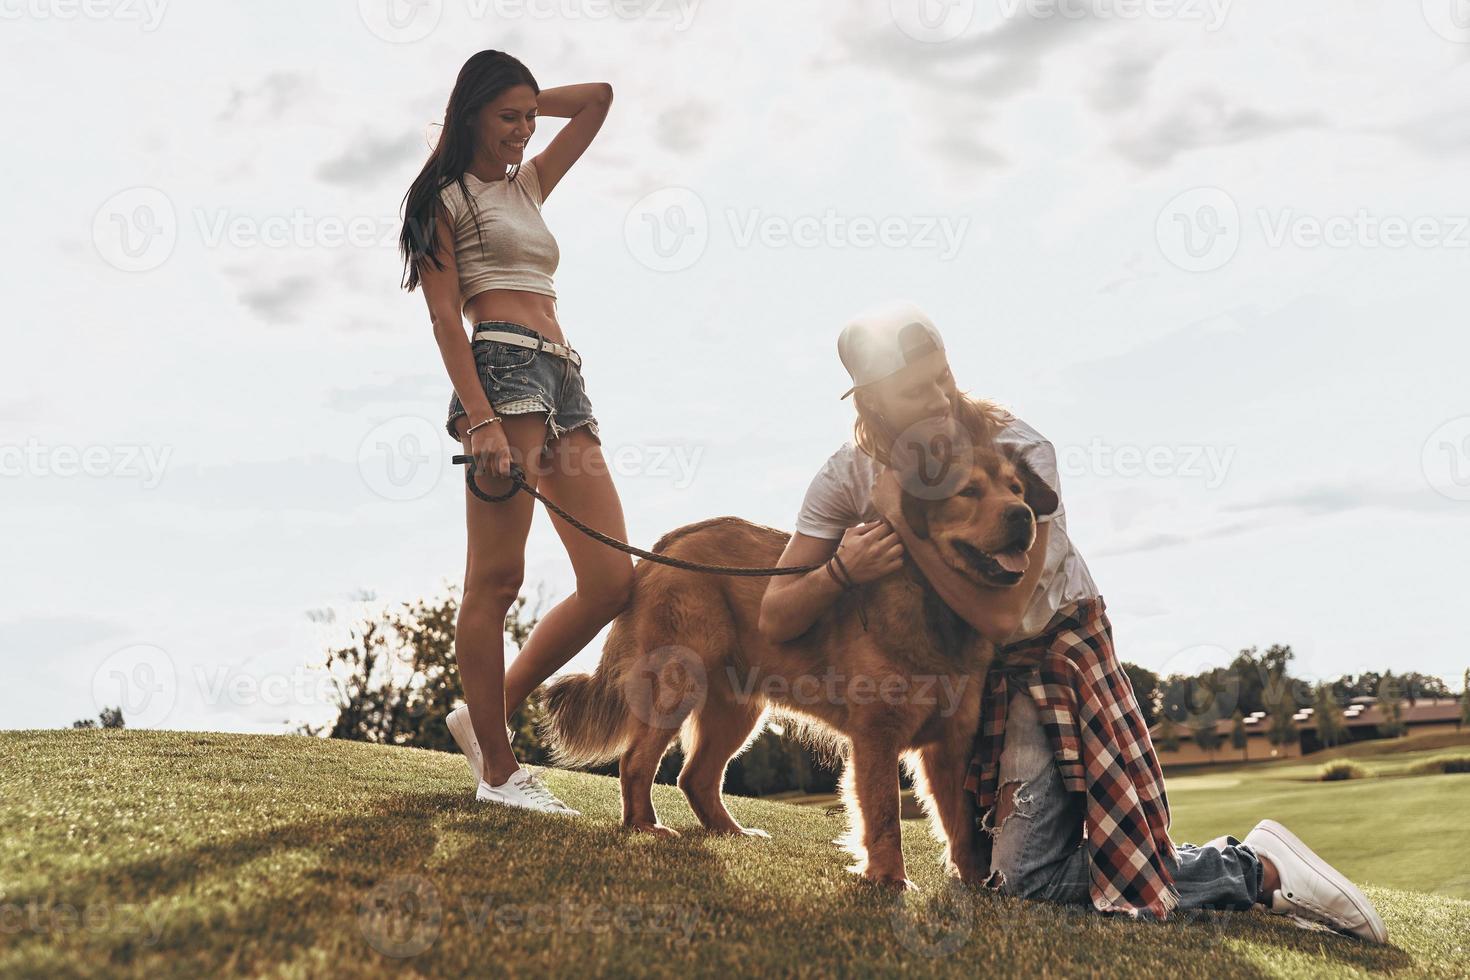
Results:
518 483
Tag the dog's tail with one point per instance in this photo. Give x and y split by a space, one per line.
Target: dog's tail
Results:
587 716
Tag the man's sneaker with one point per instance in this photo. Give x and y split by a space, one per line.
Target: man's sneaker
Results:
524 790
1312 889
459 726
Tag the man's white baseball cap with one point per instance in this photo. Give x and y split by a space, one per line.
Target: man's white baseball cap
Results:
884 341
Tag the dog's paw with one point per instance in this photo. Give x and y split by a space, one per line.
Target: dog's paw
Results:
755 832
878 879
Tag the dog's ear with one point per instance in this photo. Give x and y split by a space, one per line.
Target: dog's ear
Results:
916 514
1040 497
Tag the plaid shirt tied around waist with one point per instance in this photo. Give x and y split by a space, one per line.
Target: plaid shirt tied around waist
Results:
1086 704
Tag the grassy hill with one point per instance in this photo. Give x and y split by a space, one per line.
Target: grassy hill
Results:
183 854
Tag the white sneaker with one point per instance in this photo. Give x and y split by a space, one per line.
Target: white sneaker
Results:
1312 889
524 790
459 726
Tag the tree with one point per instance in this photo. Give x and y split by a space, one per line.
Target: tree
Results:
1207 736
1464 703
1331 728
1145 691
1282 728
396 677
108 718
1168 736
1391 704
1239 737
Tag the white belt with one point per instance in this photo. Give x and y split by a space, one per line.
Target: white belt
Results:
537 342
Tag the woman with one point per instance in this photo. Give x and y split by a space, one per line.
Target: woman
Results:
1080 816
474 238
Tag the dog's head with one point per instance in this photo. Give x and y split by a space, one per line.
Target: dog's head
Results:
986 526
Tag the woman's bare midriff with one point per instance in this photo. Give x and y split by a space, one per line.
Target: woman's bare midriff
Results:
534 310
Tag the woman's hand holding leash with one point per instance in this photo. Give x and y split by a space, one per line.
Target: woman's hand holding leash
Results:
489 447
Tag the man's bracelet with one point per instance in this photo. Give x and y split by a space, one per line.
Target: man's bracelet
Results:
844 580
480 424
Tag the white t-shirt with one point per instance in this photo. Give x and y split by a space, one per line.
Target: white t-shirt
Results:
841 496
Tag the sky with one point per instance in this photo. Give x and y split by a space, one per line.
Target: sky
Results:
1215 252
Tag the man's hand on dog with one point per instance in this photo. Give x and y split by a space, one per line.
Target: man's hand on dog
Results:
871 551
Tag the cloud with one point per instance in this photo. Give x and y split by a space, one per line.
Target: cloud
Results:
268 100
405 387
1123 84
31 637
279 300
1206 121
681 128
370 158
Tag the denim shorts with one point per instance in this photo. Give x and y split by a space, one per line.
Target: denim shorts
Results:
518 380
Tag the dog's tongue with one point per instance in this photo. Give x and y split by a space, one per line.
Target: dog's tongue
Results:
1012 561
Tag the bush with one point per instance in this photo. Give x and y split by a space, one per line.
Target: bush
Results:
1342 769
1441 764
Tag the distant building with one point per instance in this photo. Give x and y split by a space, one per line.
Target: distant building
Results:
1361 717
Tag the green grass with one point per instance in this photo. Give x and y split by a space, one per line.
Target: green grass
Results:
183 854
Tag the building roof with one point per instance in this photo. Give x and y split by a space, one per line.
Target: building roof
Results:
1360 713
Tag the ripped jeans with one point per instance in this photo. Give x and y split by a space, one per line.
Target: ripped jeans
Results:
1039 852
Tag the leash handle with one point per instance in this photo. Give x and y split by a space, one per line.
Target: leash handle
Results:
518 483
517 479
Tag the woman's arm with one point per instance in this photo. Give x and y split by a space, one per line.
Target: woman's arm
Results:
441 292
792 603
586 105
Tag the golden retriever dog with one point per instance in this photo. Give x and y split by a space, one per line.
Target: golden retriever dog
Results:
686 658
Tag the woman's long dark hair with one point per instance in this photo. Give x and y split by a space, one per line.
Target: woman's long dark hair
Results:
482 80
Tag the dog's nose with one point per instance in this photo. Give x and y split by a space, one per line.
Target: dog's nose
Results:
1018 517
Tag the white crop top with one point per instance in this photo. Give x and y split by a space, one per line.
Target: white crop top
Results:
519 251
